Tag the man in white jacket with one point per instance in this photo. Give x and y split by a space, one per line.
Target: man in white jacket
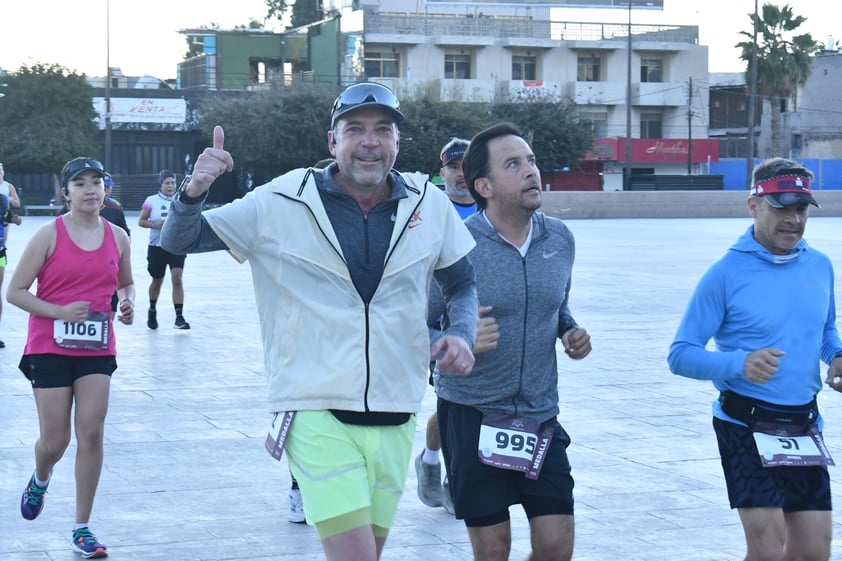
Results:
342 260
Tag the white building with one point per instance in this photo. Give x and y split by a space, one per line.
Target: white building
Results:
484 52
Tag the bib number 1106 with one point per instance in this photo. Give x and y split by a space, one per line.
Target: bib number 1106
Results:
91 334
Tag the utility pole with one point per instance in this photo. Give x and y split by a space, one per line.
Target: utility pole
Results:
627 166
752 96
690 129
108 86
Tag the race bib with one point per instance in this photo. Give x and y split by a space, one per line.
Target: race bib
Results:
91 334
513 443
780 445
278 431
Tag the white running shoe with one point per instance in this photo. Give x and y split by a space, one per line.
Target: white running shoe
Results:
296 507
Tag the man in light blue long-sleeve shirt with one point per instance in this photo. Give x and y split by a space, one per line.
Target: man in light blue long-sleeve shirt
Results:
768 304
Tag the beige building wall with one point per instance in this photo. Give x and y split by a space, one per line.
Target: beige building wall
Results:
422 34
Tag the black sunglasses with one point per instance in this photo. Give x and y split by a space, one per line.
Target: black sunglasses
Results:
83 164
364 94
76 166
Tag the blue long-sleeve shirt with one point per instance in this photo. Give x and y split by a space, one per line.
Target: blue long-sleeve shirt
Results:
751 299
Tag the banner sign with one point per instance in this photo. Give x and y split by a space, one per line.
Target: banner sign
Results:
143 110
530 90
654 150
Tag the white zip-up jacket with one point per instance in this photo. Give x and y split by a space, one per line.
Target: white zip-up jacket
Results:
315 326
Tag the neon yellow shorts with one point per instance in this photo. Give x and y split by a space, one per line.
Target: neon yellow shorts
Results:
350 475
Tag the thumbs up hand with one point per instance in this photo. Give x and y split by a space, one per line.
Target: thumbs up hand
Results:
212 163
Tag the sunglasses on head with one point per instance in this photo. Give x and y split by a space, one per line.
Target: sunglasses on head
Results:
361 95
80 165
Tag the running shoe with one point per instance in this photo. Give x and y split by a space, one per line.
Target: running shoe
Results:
296 507
152 319
32 500
429 482
181 323
84 541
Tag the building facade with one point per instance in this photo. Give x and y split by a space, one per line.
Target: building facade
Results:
459 53
446 51
812 128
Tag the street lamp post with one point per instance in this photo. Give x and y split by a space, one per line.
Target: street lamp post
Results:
752 97
108 85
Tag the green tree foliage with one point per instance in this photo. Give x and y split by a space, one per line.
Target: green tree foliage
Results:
276 9
270 133
558 135
46 118
784 59
429 125
253 24
301 12
304 12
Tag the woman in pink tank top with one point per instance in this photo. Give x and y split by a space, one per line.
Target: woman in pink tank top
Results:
79 260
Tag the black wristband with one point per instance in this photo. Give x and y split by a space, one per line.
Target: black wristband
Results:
184 197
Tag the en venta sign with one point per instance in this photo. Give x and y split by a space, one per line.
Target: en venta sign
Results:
142 110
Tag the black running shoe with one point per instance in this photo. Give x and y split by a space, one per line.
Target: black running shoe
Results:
152 320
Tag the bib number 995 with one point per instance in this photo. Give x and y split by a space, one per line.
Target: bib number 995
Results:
515 442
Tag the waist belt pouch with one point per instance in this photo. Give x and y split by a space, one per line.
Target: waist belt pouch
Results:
750 410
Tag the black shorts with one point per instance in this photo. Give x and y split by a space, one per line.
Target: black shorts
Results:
750 485
483 494
61 371
157 259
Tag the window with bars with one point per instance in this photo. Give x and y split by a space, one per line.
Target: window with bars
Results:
382 64
524 67
457 66
588 69
651 70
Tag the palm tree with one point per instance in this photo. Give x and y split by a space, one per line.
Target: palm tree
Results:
783 60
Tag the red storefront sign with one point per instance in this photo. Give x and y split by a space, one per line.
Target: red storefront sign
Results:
655 150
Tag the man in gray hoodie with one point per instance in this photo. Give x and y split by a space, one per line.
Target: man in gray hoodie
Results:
501 440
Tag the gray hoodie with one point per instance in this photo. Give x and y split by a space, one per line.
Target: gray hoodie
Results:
530 299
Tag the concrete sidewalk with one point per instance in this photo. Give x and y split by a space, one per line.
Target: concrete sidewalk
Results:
186 477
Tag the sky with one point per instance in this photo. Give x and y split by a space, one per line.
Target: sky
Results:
144 36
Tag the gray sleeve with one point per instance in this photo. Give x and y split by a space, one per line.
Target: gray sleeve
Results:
186 230
435 312
459 290
565 316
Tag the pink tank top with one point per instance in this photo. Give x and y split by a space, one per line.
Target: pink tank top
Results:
71 274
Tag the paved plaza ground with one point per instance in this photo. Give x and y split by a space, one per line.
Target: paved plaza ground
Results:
186 477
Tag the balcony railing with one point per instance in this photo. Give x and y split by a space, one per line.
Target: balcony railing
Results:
518 27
